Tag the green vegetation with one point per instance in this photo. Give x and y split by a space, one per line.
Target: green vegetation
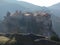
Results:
55 38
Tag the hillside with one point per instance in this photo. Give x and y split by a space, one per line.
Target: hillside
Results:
55 9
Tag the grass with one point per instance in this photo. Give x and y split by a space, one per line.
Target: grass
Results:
4 39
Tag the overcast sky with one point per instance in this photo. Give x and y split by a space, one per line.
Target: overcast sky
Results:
46 3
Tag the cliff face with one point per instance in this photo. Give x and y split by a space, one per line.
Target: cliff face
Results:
37 23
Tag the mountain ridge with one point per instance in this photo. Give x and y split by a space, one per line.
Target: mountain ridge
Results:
23 6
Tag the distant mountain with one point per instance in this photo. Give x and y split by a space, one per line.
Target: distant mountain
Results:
5 6
56 24
55 10
15 5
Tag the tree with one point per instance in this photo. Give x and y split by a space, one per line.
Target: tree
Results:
8 14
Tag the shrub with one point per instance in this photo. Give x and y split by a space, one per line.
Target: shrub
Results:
55 38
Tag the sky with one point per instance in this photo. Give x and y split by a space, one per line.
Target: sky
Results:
45 3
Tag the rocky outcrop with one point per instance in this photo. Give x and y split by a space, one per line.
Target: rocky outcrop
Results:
27 22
